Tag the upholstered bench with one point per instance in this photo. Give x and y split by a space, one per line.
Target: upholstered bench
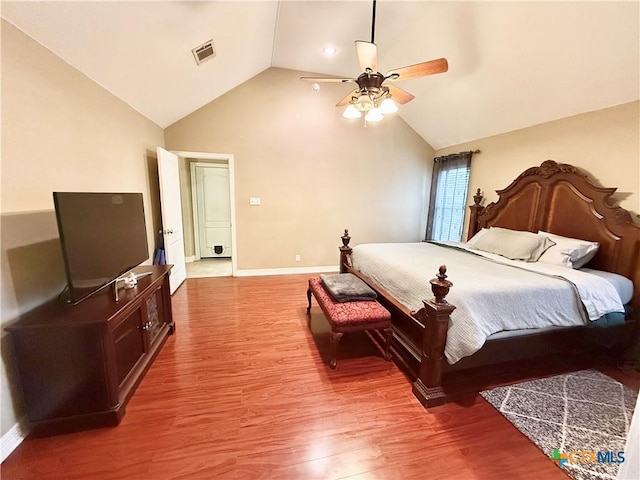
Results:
350 316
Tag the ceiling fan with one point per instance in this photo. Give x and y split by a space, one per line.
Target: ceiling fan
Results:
376 94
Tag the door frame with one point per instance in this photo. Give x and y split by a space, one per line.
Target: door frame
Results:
219 157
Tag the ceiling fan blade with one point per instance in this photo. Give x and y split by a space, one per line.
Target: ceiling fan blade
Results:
418 70
399 95
346 99
328 79
367 55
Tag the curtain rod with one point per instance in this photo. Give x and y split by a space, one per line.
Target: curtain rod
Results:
457 154
460 153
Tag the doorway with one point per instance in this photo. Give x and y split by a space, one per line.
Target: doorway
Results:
209 206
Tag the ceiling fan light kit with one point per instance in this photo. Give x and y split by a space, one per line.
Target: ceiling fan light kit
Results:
374 105
372 97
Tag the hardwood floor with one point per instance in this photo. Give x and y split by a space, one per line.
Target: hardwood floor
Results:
242 391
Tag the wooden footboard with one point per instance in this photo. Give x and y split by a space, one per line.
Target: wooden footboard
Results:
424 335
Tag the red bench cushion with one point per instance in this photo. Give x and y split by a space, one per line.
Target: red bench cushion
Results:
346 316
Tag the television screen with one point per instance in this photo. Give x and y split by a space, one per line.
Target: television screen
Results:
103 236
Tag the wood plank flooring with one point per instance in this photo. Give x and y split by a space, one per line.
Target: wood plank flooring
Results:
243 391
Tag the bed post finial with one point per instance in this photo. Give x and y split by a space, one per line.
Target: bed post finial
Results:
477 198
346 238
345 252
476 211
440 285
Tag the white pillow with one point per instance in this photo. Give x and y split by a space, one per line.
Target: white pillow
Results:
473 240
568 252
513 244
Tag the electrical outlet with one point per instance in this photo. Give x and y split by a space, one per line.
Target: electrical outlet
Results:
297 258
254 200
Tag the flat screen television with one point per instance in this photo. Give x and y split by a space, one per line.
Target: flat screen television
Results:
103 236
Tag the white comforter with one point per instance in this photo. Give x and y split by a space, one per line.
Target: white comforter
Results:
490 294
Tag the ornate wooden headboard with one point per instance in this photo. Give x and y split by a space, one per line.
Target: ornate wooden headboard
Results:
558 198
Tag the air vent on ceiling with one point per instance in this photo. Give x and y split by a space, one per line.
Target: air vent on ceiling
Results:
204 52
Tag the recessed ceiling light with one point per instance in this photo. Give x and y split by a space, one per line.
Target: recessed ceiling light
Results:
315 87
329 50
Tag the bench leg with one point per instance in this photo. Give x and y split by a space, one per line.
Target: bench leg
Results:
335 340
309 300
388 335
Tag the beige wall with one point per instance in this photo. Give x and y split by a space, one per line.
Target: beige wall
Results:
315 172
605 144
60 131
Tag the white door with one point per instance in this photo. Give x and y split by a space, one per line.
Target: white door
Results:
171 209
213 210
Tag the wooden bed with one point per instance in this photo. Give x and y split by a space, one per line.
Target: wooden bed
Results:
556 198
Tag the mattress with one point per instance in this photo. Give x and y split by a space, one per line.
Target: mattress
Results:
491 295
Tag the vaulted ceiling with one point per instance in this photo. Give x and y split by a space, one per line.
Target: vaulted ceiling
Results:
511 64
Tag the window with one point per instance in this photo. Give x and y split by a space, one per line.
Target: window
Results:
447 206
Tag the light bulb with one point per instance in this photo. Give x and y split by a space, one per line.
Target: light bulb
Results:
374 115
329 50
351 112
388 106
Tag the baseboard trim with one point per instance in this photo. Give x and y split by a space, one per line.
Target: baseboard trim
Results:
285 271
190 259
13 438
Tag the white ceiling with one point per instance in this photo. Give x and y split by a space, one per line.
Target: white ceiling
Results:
511 64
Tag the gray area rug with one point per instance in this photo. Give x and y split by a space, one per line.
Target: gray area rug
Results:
579 420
